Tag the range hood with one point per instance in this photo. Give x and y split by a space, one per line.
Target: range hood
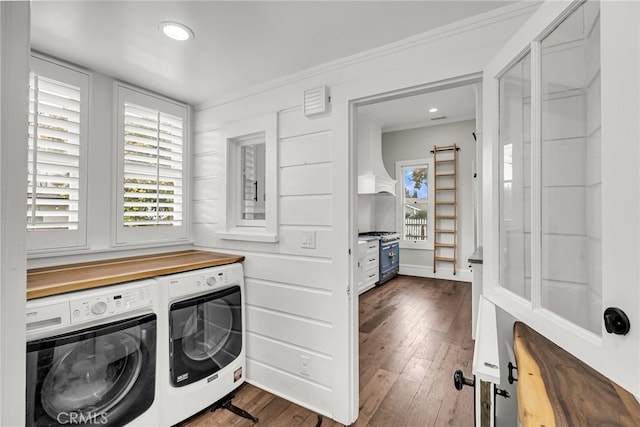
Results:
372 175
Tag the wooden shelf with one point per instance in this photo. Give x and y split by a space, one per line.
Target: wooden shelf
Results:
446 189
42 282
445 174
445 217
555 388
446 203
442 258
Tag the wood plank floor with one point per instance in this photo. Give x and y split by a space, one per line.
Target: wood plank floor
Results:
414 333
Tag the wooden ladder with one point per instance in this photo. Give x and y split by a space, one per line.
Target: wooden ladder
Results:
445 203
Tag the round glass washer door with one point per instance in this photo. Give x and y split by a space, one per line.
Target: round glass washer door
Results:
207 329
92 376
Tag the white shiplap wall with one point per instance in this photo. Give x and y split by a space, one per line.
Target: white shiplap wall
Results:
287 286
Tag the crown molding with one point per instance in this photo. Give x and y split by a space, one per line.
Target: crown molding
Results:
523 7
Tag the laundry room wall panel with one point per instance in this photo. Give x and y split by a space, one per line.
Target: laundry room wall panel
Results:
207 164
293 123
305 149
296 300
306 180
309 272
205 188
285 327
289 358
204 212
208 141
305 210
297 390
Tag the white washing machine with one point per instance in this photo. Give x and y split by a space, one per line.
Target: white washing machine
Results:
92 357
204 324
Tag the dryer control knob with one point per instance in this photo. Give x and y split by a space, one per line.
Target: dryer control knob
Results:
99 308
211 280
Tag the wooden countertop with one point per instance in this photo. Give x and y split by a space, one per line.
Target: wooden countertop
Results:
42 282
557 389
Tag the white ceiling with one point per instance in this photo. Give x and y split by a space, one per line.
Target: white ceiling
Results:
237 44
453 105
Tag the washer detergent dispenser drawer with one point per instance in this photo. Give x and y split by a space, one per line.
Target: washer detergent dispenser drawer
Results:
206 335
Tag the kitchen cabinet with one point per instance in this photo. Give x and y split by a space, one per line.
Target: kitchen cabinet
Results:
369 265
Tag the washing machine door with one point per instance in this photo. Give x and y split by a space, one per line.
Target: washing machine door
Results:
206 335
99 376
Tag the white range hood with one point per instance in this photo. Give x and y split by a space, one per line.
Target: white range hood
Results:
372 175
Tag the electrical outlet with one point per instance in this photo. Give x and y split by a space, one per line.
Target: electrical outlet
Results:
304 365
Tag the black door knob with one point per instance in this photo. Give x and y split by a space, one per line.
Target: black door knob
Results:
616 321
459 381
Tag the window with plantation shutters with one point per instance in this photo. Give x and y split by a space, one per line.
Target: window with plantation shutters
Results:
152 140
56 146
152 167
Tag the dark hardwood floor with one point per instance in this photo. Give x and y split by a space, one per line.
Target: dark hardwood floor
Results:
414 333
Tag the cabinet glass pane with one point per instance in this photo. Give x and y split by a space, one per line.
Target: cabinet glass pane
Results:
570 174
515 178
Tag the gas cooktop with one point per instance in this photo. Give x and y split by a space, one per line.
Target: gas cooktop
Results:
384 236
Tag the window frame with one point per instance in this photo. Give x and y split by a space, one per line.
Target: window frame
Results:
232 226
415 244
135 236
41 241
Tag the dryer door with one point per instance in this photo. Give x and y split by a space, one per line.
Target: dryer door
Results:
206 335
98 376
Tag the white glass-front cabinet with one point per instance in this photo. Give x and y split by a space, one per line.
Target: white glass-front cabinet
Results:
561 180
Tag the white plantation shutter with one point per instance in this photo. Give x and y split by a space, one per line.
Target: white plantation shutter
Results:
152 167
152 156
54 155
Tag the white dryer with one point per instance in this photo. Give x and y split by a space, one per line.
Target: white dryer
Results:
204 325
91 357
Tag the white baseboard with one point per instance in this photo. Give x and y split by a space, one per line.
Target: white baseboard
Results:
462 275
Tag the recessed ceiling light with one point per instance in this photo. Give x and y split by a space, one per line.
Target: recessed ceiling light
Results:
176 31
433 110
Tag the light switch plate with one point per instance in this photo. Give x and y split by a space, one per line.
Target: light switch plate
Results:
308 239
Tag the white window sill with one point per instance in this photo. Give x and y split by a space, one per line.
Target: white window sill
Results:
248 235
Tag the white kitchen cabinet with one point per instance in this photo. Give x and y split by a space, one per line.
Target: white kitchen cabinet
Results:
370 266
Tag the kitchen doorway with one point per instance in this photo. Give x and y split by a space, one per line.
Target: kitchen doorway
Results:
375 210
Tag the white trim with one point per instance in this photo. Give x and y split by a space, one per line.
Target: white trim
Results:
462 274
14 75
486 348
232 226
456 28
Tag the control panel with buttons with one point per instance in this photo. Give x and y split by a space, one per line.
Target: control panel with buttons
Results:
204 280
111 302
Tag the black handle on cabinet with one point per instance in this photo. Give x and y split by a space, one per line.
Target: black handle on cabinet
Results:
616 321
459 381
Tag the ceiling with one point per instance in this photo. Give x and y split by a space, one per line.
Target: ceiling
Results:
455 104
237 44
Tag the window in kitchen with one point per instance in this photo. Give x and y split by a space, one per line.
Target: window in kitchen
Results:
251 180
57 146
414 210
152 141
